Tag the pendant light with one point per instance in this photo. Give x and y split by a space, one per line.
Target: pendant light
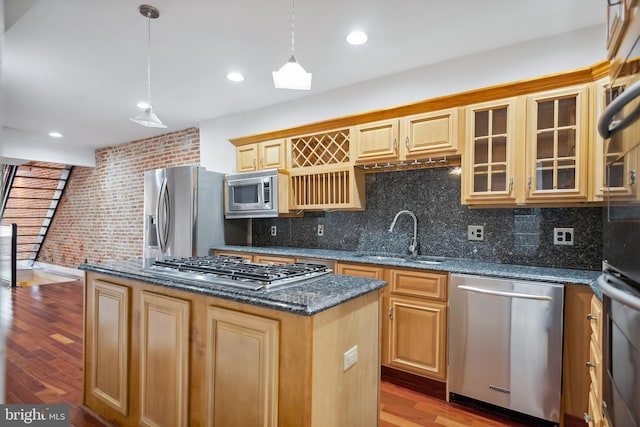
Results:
147 118
291 75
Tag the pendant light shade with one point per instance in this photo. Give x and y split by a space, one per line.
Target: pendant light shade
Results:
291 75
148 118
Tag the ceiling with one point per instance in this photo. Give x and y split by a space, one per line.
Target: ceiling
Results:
79 66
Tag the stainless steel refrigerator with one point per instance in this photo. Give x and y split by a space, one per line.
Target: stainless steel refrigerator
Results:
184 213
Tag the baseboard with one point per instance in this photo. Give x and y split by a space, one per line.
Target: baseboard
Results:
414 382
59 269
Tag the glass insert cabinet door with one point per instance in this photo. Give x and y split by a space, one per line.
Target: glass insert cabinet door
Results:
618 181
489 151
557 142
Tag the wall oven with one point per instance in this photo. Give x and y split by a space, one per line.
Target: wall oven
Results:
254 194
620 279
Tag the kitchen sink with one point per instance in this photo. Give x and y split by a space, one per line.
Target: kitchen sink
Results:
383 257
420 259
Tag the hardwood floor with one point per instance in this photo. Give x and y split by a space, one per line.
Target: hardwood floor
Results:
44 363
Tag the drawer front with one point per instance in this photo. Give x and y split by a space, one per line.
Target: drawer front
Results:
419 284
359 270
595 369
595 320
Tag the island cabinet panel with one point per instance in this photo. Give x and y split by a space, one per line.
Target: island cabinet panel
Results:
242 369
198 360
164 363
108 324
343 394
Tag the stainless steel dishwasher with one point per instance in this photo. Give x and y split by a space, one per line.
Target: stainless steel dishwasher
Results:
505 346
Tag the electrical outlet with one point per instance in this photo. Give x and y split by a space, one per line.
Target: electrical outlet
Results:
350 357
274 230
320 229
475 232
563 236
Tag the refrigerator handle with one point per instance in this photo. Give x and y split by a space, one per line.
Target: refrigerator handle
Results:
505 294
163 213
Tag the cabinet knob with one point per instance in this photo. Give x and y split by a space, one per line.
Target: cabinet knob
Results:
406 142
632 177
590 365
262 163
390 314
394 143
591 317
529 181
511 182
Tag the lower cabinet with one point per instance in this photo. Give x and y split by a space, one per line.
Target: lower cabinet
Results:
107 326
241 369
157 356
416 322
164 363
413 319
594 415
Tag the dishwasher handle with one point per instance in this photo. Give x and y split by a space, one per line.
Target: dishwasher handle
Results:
504 293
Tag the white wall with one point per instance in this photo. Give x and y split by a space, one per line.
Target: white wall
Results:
511 63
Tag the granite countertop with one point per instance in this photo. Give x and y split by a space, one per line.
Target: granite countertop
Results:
450 265
305 298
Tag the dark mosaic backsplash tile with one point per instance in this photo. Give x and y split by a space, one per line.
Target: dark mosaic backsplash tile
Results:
514 236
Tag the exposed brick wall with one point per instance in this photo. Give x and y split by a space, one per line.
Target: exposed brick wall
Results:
100 216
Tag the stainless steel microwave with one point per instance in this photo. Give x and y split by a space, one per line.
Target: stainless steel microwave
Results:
252 194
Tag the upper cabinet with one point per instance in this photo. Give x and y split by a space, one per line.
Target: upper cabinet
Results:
620 180
411 137
557 140
489 153
528 150
261 155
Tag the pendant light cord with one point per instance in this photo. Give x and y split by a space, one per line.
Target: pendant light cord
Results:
293 25
149 58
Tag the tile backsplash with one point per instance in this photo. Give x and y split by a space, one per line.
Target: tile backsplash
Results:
514 236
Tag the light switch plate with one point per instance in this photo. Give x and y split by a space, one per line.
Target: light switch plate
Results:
350 357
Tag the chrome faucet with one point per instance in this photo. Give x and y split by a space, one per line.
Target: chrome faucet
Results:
413 245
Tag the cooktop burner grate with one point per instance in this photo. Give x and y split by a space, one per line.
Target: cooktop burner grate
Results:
236 271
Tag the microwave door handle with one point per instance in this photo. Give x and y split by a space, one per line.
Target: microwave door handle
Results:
163 220
605 129
611 287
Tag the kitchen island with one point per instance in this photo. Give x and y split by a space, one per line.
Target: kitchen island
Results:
162 351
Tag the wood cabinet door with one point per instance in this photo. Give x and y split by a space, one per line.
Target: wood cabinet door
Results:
489 161
360 270
241 371
164 360
247 158
557 142
619 182
417 336
377 141
272 154
273 259
107 346
429 134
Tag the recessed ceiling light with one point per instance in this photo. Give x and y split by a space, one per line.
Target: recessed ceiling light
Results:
55 134
235 76
143 105
357 38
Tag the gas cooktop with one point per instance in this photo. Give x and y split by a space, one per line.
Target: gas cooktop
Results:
235 271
